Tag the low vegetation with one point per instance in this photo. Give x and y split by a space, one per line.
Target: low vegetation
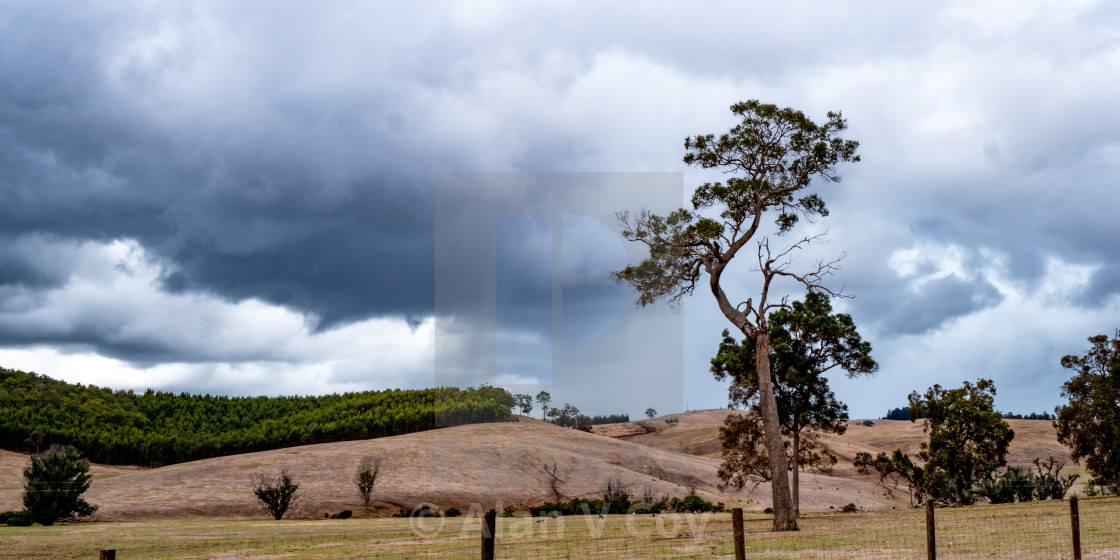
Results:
277 493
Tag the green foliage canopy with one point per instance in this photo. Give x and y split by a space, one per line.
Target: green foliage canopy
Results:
1089 424
54 484
968 439
807 341
158 428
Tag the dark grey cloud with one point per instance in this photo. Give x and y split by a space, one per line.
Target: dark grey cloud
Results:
288 157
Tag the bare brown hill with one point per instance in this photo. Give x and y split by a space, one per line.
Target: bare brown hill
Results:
486 464
697 433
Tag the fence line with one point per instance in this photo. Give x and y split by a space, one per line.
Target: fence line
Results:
1088 528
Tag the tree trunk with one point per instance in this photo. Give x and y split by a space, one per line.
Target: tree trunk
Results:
796 485
784 519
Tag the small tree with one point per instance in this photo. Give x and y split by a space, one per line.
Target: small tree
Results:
277 493
968 439
35 439
1090 423
863 462
544 399
54 484
366 477
524 403
650 413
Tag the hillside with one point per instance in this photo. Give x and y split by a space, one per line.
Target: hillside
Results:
697 433
483 463
157 428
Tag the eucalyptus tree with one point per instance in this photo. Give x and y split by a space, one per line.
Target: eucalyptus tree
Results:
773 156
968 438
1089 424
807 341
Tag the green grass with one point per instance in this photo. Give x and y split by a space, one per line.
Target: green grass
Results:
1019 531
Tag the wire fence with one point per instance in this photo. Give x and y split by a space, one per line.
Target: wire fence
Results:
1022 531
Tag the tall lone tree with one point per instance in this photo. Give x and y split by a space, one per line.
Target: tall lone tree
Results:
1090 423
773 154
807 341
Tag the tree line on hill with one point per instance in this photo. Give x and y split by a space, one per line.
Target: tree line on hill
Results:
158 428
904 414
568 416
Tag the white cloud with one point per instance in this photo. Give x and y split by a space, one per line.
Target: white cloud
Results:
113 299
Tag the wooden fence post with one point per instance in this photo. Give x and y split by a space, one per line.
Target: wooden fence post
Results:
1075 524
931 536
737 528
488 535
108 555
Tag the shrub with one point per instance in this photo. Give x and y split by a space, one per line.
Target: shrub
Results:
344 514
692 502
868 423
18 518
848 508
423 510
616 498
53 486
508 511
276 493
768 511
452 512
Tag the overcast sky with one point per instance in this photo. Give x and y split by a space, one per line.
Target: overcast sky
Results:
248 198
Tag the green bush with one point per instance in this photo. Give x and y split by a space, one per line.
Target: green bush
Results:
18 519
849 508
692 502
54 484
577 506
509 511
452 512
616 498
344 514
768 511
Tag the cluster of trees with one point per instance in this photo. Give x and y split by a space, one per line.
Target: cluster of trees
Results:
1030 416
904 414
616 498
158 428
968 442
897 414
568 416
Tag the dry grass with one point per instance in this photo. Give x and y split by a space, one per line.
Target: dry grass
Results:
503 463
486 464
1019 531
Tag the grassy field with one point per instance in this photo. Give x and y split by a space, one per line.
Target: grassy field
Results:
1020 531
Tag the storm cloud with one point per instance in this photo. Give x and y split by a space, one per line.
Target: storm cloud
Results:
189 191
